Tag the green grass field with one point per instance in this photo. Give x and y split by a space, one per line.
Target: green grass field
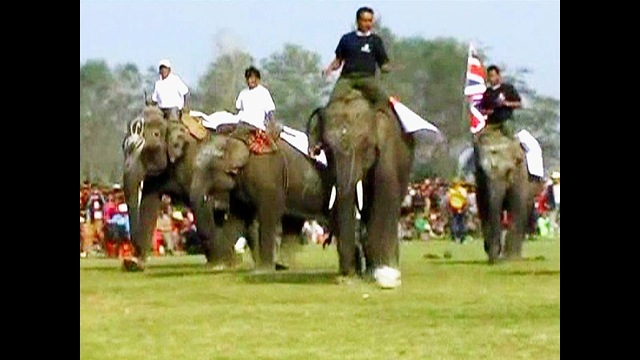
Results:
457 308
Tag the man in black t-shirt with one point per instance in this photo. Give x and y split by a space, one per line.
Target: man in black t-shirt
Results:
359 53
498 102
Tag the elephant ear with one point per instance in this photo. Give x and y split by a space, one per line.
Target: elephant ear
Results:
236 153
177 140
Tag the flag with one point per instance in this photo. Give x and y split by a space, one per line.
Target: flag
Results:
474 88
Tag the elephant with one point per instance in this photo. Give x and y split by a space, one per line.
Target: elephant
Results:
280 188
503 183
145 166
149 172
367 149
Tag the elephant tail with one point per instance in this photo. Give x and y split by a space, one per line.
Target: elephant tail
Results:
315 112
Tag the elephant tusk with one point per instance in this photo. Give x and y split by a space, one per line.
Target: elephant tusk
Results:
359 194
140 192
332 198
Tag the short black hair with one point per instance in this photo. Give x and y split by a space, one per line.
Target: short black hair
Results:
493 68
363 10
251 70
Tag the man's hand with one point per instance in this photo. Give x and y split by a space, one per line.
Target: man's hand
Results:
315 150
334 65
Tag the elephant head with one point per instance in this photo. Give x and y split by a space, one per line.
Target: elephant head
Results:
215 169
499 157
217 165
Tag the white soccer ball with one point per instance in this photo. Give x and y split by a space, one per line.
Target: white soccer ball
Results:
387 277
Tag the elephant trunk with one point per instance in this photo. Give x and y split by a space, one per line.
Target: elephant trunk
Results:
347 178
132 179
203 213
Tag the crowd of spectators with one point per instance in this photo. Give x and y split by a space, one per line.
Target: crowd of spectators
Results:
432 209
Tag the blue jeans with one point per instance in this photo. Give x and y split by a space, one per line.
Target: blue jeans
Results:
457 225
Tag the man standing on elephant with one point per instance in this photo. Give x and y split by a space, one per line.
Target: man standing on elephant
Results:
359 53
170 92
498 102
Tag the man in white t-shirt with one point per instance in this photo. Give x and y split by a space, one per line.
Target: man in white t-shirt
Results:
255 104
170 92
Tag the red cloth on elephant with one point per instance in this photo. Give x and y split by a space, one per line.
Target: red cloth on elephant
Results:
260 143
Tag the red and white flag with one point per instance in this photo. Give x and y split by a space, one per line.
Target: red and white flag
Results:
474 88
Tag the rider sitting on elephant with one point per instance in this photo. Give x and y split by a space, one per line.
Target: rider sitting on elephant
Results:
255 104
498 102
170 92
358 53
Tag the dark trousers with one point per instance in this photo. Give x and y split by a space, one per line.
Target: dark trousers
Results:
457 225
368 85
172 113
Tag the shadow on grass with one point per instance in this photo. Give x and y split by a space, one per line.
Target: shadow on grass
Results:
529 272
310 277
458 262
118 267
437 261
190 270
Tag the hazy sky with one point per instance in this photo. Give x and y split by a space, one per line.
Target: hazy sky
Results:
519 33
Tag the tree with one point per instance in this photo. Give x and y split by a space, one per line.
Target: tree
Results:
108 101
294 78
220 85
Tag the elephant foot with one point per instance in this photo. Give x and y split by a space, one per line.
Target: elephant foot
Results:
281 267
513 257
387 277
133 264
496 260
216 266
347 280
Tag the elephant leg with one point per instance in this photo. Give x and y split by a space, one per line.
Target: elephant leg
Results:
269 217
382 227
252 234
493 228
291 240
515 235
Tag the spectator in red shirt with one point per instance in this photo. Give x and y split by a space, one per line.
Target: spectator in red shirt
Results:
110 207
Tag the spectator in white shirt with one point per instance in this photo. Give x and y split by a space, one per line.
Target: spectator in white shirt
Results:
170 92
255 104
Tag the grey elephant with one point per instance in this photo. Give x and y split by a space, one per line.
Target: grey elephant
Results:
502 184
365 144
280 188
149 172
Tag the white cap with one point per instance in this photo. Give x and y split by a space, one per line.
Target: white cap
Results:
165 62
116 186
177 215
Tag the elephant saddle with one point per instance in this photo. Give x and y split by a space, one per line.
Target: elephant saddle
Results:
195 127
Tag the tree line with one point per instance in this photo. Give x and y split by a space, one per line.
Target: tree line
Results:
429 78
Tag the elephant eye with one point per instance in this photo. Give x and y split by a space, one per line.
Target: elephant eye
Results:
156 133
